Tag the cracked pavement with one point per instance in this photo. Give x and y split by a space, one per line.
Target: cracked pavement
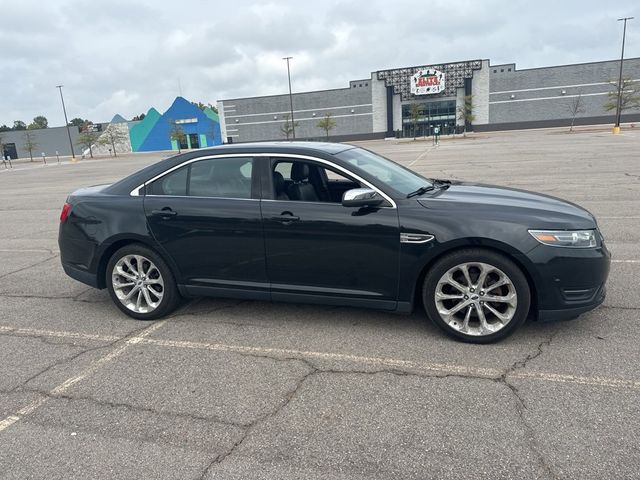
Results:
227 389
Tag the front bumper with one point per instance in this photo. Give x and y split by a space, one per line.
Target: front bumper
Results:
570 281
572 312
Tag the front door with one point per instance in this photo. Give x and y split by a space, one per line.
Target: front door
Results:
206 216
319 251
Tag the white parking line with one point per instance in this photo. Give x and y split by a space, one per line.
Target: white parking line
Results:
34 332
625 261
302 354
421 156
436 369
28 250
93 367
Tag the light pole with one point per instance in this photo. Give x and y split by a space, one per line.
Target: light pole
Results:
616 127
66 122
293 125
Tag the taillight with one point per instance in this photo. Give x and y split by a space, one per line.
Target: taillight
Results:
65 212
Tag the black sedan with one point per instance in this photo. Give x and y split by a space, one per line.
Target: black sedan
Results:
338 225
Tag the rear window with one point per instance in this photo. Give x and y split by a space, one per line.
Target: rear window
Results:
212 177
174 183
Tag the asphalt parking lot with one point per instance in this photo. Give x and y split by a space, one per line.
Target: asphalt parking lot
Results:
227 389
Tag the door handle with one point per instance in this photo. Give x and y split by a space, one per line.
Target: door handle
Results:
165 212
285 217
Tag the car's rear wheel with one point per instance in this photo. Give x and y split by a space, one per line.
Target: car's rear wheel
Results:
476 295
140 283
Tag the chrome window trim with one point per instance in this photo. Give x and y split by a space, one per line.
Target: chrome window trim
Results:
197 196
136 191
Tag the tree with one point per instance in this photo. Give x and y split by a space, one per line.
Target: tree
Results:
77 122
202 106
415 111
87 138
113 136
38 122
4 128
138 117
19 125
327 124
177 134
288 127
30 143
465 113
629 96
575 107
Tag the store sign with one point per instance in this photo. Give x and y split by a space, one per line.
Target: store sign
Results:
427 82
90 128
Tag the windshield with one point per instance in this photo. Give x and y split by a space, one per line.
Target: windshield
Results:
402 180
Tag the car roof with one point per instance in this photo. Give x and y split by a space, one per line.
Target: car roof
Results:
125 185
282 146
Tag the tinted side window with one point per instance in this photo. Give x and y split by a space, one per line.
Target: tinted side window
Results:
221 177
174 183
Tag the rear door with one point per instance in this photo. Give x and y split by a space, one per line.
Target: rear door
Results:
206 215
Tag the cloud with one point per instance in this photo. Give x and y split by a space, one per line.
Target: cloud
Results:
123 56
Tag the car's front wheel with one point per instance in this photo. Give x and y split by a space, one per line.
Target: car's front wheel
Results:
476 295
140 283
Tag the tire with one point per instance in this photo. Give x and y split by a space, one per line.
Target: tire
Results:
149 295
459 306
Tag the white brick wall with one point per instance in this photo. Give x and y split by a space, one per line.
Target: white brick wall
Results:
379 100
480 92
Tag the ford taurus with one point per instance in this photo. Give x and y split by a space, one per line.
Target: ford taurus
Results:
334 224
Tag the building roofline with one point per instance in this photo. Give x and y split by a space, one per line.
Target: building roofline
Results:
431 64
558 66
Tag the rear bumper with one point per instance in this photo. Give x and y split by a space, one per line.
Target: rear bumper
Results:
80 275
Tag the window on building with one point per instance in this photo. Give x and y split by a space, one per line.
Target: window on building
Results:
440 114
508 69
502 70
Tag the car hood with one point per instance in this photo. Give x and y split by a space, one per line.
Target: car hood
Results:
534 209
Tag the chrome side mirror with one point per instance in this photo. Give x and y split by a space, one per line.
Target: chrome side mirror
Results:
361 197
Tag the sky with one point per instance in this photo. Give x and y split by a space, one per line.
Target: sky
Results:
125 56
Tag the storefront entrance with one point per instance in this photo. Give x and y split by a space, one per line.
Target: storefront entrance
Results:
194 140
431 115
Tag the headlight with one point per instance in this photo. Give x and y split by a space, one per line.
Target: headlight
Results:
566 238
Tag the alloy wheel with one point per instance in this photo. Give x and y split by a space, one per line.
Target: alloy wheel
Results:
476 298
137 283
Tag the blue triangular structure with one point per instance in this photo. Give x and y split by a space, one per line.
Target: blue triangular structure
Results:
190 118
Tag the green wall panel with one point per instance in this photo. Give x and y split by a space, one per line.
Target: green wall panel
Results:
138 133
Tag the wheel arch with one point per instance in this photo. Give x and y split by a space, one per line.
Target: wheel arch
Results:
500 248
117 244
